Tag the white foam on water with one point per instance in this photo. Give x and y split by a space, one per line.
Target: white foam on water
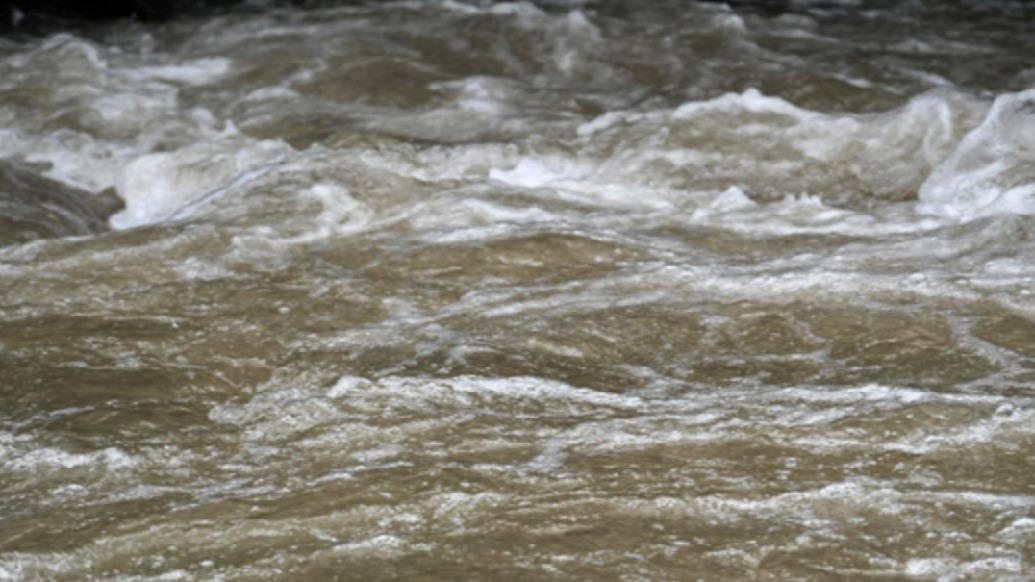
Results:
382 546
118 107
999 430
482 95
340 213
173 186
550 460
467 390
954 569
608 121
124 108
529 173
51 459
887 154
1017 530
992 171
577 183
75 159
523 8
280 412
159 186
192 73
878 393
751 100
805 214
288 408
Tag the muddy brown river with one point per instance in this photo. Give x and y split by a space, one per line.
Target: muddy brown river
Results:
438 290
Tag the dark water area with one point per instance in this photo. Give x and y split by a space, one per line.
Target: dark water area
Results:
17 10
33 207
152 10
569 290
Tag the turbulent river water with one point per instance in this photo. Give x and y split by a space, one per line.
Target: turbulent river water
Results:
570 291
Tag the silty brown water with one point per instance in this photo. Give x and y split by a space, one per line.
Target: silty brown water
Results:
442 291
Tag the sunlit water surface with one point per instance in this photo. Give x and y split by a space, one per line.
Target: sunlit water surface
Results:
454 291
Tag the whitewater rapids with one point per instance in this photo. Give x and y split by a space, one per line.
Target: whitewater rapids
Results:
570 291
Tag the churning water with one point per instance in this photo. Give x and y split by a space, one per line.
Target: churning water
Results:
467 291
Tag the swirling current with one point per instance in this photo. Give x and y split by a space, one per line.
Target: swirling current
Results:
461 290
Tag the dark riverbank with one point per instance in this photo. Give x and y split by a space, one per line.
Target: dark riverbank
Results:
46 14
15 13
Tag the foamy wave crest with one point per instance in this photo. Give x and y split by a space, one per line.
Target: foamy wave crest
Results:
992 171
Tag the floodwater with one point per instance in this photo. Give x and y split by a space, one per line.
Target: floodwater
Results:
571 291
